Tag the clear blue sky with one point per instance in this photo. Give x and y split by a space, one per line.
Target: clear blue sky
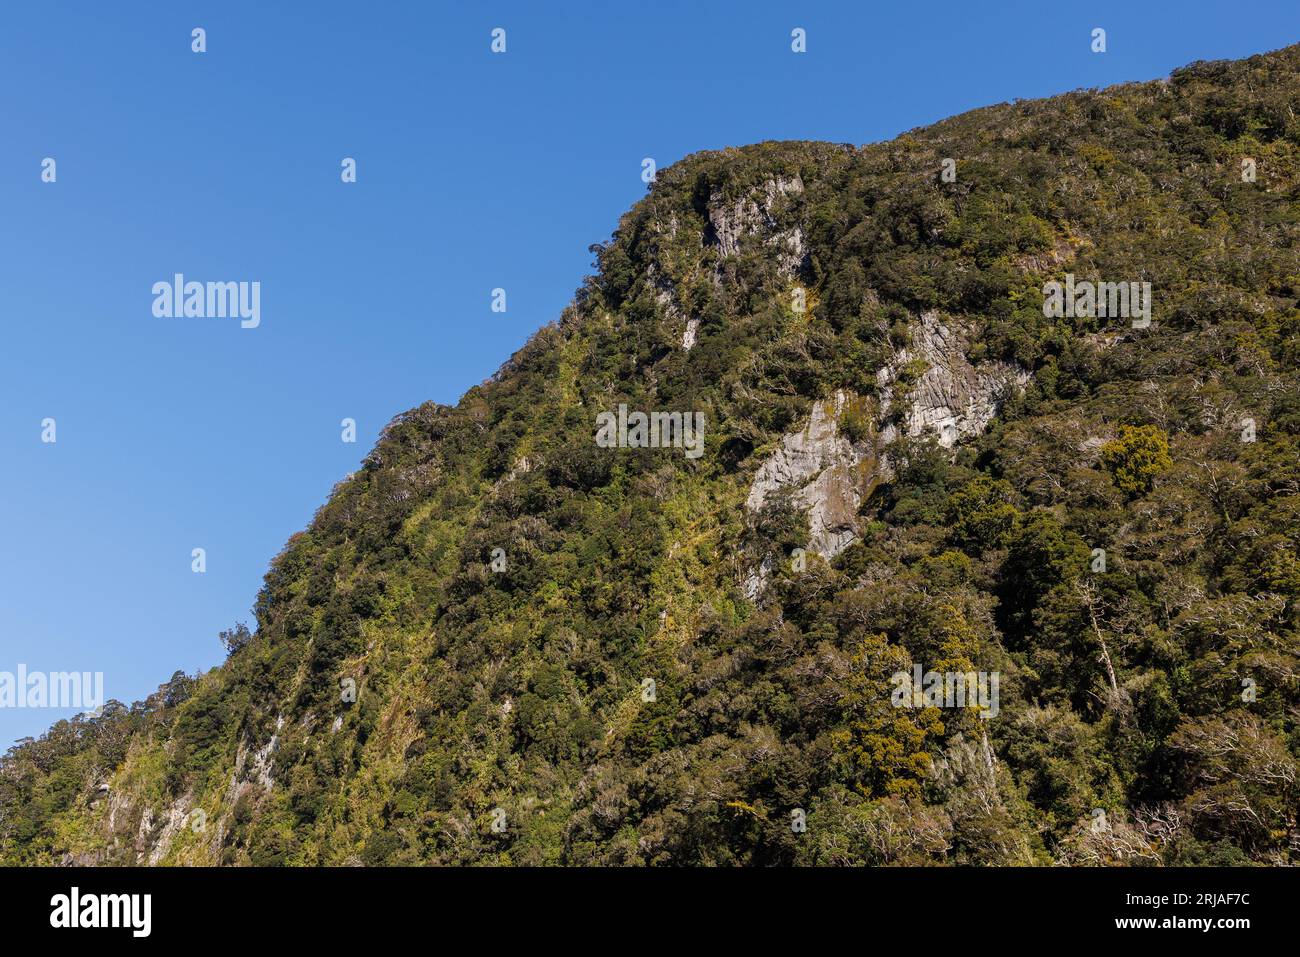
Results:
475 171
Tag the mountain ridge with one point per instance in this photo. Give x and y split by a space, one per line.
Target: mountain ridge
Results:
498 642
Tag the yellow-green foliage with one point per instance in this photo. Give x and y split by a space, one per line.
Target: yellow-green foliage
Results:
1136 457
610 693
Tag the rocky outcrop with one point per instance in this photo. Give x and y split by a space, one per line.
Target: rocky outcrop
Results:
824 465
754 218
736 222
263 758
830 473
178 817
930 387
952 398
135 832
688 335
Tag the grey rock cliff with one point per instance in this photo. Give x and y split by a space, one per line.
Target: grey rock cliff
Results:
831 474
953 398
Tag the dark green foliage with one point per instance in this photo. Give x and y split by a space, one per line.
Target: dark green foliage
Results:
450 664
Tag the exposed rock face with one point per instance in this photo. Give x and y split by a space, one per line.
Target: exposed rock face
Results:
263 758
832 474
178 816
952 398
757 214
688 336
823 464
154 836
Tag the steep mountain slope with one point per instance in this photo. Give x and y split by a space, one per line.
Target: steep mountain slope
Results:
502 642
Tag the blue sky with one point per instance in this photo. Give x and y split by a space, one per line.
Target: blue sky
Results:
475 171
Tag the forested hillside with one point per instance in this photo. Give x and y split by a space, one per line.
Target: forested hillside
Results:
502 642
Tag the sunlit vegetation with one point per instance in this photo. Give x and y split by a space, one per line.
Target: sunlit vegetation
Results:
1155 692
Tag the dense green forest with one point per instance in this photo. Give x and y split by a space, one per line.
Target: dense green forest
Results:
499 642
